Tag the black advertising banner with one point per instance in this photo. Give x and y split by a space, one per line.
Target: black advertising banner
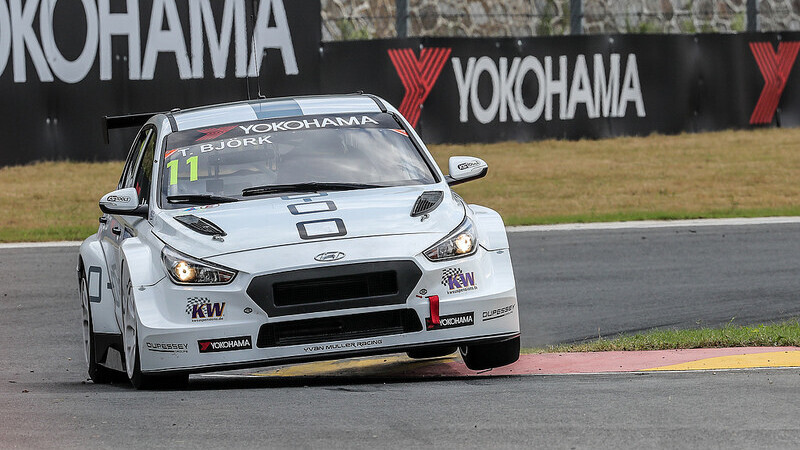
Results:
64 65
574 87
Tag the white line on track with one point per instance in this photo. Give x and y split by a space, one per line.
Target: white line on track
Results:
646 224
633 225
41 244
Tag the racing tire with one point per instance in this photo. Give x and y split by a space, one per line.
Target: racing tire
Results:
130 338
431 352
489 356
97 373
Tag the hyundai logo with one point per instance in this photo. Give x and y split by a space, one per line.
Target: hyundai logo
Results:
329 256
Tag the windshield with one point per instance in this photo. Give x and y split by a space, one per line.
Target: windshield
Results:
273 156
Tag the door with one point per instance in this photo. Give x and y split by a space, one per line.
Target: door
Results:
118 227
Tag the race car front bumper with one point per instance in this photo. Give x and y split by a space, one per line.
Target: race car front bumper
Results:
244 324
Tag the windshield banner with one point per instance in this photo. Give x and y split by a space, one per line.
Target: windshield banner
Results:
258 132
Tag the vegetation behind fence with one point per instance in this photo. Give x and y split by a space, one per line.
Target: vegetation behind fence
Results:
374 19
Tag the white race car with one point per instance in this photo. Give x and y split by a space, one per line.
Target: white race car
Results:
287 230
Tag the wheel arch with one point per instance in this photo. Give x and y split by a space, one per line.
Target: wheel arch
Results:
143 263
141 260
92 265
491 230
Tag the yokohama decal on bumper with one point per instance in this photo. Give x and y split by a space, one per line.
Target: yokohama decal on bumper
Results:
225 344
452 321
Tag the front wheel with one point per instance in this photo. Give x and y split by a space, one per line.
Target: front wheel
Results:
489 356
130 337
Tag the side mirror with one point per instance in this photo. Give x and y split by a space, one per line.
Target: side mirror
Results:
465 168
123 201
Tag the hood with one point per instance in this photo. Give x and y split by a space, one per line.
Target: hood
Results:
296 219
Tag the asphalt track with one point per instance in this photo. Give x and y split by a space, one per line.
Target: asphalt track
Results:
574 285
571 284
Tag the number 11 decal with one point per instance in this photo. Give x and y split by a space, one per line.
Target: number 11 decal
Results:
173 170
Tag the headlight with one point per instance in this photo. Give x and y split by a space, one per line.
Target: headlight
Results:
461 242
184 269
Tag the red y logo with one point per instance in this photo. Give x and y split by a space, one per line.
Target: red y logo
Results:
775 68
213 133
418 76
204 346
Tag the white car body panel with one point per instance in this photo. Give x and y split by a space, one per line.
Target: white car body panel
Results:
98 282
269 222
263 239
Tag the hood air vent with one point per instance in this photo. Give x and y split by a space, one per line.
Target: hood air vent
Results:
200 225
426 203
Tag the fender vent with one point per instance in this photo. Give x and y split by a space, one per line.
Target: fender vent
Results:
426 203
200 225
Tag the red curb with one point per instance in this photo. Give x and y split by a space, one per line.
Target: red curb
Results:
528 364
594 362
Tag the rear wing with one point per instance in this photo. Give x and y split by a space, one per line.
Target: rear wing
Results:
126 121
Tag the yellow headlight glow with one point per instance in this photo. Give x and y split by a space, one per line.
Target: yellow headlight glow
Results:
184 271
463 243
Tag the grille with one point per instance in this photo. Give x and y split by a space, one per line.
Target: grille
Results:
327 329
426 203
335 287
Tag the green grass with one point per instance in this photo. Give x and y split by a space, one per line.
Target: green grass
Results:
720 174
687 176
653 215
786 333
53 201
45 234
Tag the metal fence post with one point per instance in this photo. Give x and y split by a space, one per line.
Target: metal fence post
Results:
401 24
752 16
576 16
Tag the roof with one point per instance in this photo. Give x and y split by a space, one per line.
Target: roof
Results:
275 108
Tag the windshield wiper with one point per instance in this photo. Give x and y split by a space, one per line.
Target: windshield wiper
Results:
304 187
200 199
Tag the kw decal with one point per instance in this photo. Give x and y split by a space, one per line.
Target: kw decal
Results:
457 281
201 309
